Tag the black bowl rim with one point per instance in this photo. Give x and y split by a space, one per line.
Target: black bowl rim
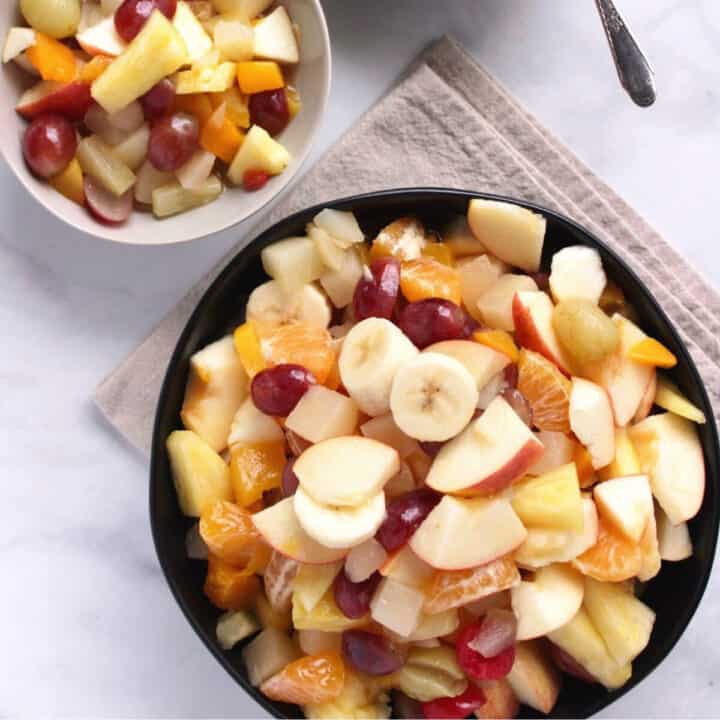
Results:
405 195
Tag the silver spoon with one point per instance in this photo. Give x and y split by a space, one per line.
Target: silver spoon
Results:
633 69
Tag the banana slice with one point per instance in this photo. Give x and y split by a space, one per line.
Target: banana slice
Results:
371 355
433 397
339 527
269 305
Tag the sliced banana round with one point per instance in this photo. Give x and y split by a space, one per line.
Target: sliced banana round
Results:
371 355
269 305
433 397
339 527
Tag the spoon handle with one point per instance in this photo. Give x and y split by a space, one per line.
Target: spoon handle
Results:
633 69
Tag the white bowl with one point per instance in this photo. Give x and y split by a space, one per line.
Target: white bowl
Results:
312 79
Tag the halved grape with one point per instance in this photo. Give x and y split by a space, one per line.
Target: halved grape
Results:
429 321
290 480
372 654
277 390
133 14
404 515
173 140
353 599
478 666
269 110
376 296
158 100
49 144
460 706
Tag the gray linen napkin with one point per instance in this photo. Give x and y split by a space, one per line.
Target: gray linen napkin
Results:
447 123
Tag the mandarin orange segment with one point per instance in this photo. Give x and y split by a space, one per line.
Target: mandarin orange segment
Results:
300 344
612 558
230 534
311 679
499 340
247 346
228 587
651 352
402 239
94 69
546 389
440 252
584 467
255 469
448 589
52 59
427 278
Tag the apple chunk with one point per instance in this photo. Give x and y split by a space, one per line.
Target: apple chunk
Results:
534 679
482 362
627 503
477 275
461 533
495 304
673 540
671 456
488 455
559 450
669 397
322 414
71 100
591 420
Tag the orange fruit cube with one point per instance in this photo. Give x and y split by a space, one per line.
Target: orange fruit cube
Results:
197 104
220 135
256 76
95 68
499 340
255 469
311 679
305 345
546 389
247 346
425 277
52 59
651 352
612 558
439 251
69 182
228 587
236 106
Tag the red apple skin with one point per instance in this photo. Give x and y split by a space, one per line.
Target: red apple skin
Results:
569 665
529 336
72 100
647 400
500 701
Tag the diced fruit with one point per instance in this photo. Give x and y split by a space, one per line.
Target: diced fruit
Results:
647 401
548 601
424 277
214 79
196 40
314 678
17 41
500 701
650 352
260 77
430 627
98 160
290 482
402 239
406 567
488 456
510 232
665 443
268 654
669 397
551 500
482 362
331 253
57 18
477 666
52 59
325 616
622 620
155 53
131 15
252 427
498 340
195 172
293 262
567 664
384 429
612 558
71 100
228 587
278 579
577 272
307 345
148 180
275 38
493 526
159 100
341 225
625 461
201 476
94 69
358 700
439 251
650 552
311 584
254 469
370 653
591 420
173 198
234 626
220 136
547 390
673 540
432 320
313 642
431 673
559 450
322 414
197 104
234 39
403 517
584 331
455 707
49 145
495 304
459 238
397 606
477 275
99 122
583 643
403 482
627 503
133 150
102 39
104 205
455 588
174 138
69 182
376 292
363 560
533 678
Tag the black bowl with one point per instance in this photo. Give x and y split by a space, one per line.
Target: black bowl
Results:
674 594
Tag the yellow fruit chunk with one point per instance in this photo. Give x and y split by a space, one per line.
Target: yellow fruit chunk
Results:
361 699
228 587
425 277
269 616
651 352
247 346
52 59
257 76
258 151
95 68
311 679
255 469
669 397
70 182
584 466
625 461
499 340
325 615
197 104
440 252
236 106
205 79
293 101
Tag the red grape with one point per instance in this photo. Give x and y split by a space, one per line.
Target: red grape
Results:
173 140
353 599
290 480
105 206
158 100
460 706
49 144
255 179
498 631
477 666
133 14
519 403
269 110
376 296
429 321
404 515
510 375
568 664
277 390
431 447
370 653
471 325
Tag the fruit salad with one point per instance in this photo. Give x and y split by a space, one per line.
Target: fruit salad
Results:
432 475
154 104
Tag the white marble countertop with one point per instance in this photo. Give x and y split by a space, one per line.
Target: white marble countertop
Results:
88 626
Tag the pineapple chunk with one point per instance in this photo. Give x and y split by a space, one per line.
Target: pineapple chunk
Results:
201 476
206 79
322 414
148 180
585 645
292 262
247 9
533 678
98 160
623 622
70 182
234 39
551 500
268 654
133 150
234 626
217 387
312 582
275 38
173 198
434 626
625 461
197 41
325 616
360 699
156 52
258 152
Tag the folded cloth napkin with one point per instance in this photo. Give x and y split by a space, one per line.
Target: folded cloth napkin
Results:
447 123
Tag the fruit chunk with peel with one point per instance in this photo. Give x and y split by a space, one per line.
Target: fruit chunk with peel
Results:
580 639
532 315
322 414
491 526
200 475
495 304
533 679
623 621
396 606
17 41
366 466
268 654
577 272
627 503
559 450
500 701
591 420
671 456
406 567
258 151
673 540
156 52
669 397
98 160
510 232
647 401
551 500
625 461
548 601
251 427
281 529
312 582
102 39
477 276
234 626
71 100
275 38
313 678
488 456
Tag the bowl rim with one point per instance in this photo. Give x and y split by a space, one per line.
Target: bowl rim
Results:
101 231
408 195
